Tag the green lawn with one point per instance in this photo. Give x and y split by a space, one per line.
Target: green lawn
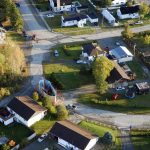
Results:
55 25
16 132
101 130
72 50
136 67
140 143
68 75
139 105
42 5
44 125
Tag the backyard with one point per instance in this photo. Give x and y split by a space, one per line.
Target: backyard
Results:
101 130
138 105
140 139
16 132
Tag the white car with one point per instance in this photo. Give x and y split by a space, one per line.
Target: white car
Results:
81 62
42 137
139 22
56 54
119 88
49 15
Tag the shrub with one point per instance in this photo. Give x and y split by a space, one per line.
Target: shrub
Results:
62 112
35 96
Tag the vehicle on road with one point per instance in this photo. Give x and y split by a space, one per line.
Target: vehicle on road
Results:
139 22
42 137
49 15
56 54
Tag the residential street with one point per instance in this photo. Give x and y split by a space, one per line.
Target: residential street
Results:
40 52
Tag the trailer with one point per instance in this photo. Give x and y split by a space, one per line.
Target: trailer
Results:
109 17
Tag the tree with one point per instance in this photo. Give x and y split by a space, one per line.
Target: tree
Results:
101 70
35 96
62 112
4 147
102 3
144 10
147 39
127 33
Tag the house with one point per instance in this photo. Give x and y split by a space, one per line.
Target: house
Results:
61 5
82 8
90 51
118 75
92 18
128 12
5 116
118 2
142 88
109 17
26 110
74 20
121 54
71 136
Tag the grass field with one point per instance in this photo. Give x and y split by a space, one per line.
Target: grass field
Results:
16 132
43 125
101 130
139 105
68 75
42 5
142 142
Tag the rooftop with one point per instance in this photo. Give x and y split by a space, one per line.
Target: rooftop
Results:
77 17
130 10
142 85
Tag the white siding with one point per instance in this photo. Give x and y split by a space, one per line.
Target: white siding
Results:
93 20
91 144
125 59
118 2
65 144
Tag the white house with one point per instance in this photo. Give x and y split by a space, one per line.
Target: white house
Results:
121 54
61 5
109 17
118 2
92 18
71 136
90 51
5 116
26 110
128 12
74 20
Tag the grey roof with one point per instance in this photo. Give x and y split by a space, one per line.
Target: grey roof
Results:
92 16
130 10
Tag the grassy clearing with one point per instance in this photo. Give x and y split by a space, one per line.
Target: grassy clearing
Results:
139 105
140 139
42 5
136 67
55 24
68 75
101 130
16 132
44 125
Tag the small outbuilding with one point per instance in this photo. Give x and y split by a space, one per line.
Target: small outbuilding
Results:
73 137
121 54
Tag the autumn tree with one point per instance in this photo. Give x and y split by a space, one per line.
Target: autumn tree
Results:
35 96
147 39
101 70
144 10
127 33
62 112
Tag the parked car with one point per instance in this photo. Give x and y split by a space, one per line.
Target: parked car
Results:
56 54
42 137
81 62
138 22
49 15
119 88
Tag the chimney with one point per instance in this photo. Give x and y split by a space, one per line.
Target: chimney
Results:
58 3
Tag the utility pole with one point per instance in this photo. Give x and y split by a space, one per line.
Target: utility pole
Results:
134 48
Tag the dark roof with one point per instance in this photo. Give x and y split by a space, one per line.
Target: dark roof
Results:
77 17
25 107
82 7
72 133
92 16
130 10
63 2
117 74
92 50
